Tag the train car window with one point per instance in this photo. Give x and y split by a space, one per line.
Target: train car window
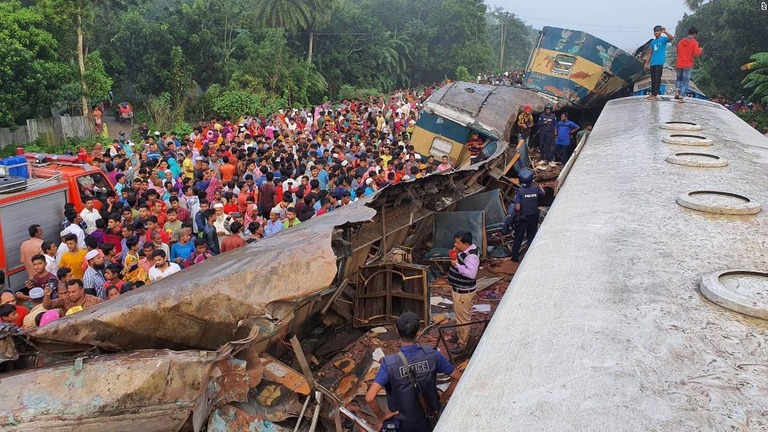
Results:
563 64
440 148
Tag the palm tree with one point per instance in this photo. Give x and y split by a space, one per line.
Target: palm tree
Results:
694 5
291 15
320 17
295 15
758 77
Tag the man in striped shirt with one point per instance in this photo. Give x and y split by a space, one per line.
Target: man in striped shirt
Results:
465 261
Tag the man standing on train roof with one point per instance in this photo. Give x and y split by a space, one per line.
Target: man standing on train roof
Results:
563 132
410 378
687 49
656 56
546 124
526 204
465 261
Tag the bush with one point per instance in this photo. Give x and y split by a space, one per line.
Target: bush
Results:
759 117
234 104
462 74
348 92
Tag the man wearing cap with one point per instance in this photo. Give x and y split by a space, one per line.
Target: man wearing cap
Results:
93 279
273 225
36 295
413 367
461 276
525 122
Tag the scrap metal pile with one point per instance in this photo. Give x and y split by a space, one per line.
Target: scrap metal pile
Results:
201 349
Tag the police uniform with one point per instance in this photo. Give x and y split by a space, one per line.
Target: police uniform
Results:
546 125
425 362
528 222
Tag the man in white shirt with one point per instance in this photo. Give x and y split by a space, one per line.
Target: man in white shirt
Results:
162 268
90 215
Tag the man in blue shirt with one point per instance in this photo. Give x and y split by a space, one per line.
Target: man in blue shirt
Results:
405 405
656 56
563 131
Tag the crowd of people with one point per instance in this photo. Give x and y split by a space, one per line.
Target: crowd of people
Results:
177 201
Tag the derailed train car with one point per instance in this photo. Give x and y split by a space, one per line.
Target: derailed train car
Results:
641 304
221 315
578 69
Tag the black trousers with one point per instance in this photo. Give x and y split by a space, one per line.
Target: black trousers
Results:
656 79
526 227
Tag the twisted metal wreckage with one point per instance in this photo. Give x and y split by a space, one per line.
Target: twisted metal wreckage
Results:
185 351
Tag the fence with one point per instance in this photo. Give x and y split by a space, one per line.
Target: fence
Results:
54 130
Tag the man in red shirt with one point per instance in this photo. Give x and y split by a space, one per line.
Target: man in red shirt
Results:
235 240
687 49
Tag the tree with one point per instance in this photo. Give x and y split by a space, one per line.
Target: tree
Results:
729 31
31 76
290 15
757 80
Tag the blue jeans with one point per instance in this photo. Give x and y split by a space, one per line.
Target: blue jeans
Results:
682 81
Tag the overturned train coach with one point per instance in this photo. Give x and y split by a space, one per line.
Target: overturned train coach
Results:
641 304
110 367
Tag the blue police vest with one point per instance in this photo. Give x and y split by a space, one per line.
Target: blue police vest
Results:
529 200
547 122
401 396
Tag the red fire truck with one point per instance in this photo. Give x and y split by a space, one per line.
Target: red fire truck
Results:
54 180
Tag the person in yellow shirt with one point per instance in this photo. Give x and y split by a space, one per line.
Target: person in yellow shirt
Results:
73 257
187 166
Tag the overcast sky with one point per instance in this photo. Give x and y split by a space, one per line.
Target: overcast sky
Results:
626 24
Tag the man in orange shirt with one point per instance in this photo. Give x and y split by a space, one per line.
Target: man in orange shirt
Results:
227 170
687 49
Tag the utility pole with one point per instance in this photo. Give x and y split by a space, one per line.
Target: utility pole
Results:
501 44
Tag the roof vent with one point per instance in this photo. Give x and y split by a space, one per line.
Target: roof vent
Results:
719 202
681 126
686 139
742 291
696 159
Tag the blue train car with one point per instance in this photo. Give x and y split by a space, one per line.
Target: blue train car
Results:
579 69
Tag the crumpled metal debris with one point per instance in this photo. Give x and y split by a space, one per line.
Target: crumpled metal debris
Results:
201 307
148 390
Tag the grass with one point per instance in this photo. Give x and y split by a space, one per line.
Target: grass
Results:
72 146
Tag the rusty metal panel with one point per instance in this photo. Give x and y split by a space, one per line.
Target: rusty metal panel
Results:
152 390
203 306
384 291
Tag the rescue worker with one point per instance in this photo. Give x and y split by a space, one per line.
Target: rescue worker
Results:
525 122
546 124
526 204
410 378
465 261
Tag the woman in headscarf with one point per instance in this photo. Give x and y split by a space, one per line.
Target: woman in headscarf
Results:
213 186
173 165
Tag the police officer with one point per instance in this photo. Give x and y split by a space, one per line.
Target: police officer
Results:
546 124
526 204
410 378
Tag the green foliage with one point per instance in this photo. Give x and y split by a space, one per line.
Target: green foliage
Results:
99 83
729 32
519 39
462 74
30 73
348 92
759 117
234 104
161 113
757 79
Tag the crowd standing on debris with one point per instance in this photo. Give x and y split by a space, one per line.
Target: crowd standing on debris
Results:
180 200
